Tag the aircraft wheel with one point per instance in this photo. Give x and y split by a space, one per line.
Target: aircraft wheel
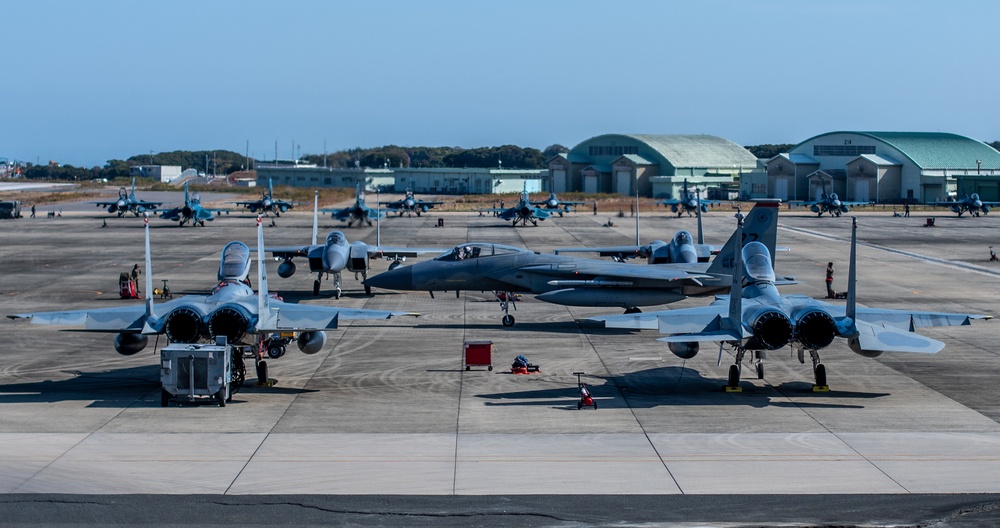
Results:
734 376
633 310
838 214
164 397
202 223
275 352
221 397
418 214
262 372
515 223
760 371
316 287
508 320
277 214
368 290
595 406
560 214
336 293
821 375
579 405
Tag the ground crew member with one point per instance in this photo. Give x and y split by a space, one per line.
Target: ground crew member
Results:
830 294
32 210
135 277
906 209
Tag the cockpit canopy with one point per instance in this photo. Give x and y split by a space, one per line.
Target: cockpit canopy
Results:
683 238
235 263
757 262
478 249
336 238
975 197
833 196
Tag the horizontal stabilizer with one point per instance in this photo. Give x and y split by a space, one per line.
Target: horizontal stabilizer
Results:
123 319
876 337
717 336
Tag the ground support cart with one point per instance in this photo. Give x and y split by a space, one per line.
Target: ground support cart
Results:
479 354
192 371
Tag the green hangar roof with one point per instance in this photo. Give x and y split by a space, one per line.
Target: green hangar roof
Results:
678 150
935 150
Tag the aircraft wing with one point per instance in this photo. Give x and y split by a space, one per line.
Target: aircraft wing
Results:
540 213
598 273
287 252
393 205
800 202
683 321
892 339
373 214
626 252
148 205
120 319
396 252
246 204
310 317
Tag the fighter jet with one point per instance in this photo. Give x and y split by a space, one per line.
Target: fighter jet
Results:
232 310
828 203
552 203
689 202
681 249
507 270
336 255
754 317
359 212
968 204
128 203
192 211
267 203
522 213
410 205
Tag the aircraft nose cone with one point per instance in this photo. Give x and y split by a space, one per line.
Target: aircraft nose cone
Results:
400 278
334 261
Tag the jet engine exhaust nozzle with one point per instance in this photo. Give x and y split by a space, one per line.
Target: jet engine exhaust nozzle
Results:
230 321
771 330
815 329
183 325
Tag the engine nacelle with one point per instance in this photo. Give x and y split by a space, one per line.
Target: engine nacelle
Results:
685 350
183 325
358 258
986 209
129 344
771 329
856 347
311 342
814 328
231 321
286 269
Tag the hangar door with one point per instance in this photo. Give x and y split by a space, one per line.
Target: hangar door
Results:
559 181
862 188
623 182
590 184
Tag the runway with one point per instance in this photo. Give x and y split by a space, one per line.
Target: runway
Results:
387 409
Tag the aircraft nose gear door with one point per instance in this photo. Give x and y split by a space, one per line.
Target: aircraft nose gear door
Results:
507 299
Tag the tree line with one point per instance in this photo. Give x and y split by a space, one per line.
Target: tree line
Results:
224 162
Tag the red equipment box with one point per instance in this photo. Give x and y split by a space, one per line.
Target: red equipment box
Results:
479 354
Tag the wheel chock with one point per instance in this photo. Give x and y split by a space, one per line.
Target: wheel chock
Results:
265 384
821 388
732 389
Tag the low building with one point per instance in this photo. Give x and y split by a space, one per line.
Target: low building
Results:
160 173
421 180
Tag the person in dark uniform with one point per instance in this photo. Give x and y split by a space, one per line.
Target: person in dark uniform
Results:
830 294
906 209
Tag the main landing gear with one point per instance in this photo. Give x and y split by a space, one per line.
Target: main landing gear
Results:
736 369
506 300
336 284
364 277
819 370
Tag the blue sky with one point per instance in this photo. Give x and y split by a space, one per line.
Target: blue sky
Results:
91 81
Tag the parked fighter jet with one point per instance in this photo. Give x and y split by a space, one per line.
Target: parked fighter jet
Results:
552 203
192 211
680 249
410 205
336 255
232 310
522 213
570 281
128 203
689 202
267 203
828 203
359 212
757 318
968 204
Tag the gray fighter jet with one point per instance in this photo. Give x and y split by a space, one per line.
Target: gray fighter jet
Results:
232 310
336 254
971 204
267 203
690 202
128 203
506 270
359 212
756 318
522 213
552 203
410 205
828 203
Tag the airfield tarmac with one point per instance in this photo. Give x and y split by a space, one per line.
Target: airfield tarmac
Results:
388 410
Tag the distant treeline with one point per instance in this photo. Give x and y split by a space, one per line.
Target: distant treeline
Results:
227 162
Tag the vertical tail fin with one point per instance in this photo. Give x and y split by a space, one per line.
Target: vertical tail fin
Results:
149 275
133 187
315 217
262 308
736 291
701 228
761 226
187 200
270 188
852 286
